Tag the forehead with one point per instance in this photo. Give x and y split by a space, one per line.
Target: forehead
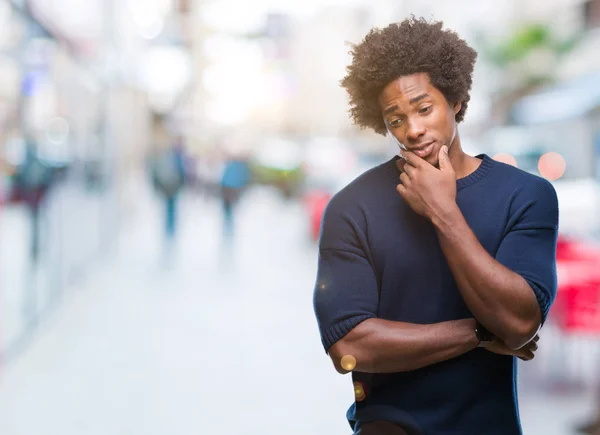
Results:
402 89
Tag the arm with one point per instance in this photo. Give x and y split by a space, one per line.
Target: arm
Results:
501 299
511 293
346 304
383 346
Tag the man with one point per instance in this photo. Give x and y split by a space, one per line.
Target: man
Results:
436 269
235 178
33 180
168 174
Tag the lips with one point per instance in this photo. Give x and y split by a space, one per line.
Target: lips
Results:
423 150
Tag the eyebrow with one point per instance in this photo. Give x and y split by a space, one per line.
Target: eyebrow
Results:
390 109
414 100
418 98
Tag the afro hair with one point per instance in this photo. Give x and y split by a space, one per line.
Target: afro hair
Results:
412 46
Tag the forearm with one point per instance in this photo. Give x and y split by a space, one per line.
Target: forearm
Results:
384 346
499 298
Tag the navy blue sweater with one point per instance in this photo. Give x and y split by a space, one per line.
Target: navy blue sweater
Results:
377 258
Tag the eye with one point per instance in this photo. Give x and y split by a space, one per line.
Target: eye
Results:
395 122
425 110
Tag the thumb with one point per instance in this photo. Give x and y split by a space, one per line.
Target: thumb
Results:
444 159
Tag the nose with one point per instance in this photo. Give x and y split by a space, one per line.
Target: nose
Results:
414 130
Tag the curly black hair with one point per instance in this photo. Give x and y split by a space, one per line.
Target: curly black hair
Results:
412 46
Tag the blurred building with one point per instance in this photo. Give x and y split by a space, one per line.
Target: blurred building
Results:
81 82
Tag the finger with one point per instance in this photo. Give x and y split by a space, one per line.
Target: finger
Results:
444 159
401 190
405 179
531 356
410 170
401 163
533 346
412 159
526 355
537 338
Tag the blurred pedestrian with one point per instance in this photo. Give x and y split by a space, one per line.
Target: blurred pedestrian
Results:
235 178
436 269
168 175
33 179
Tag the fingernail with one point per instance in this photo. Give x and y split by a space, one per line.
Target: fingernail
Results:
445 148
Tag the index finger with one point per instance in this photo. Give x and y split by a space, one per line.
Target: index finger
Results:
412 159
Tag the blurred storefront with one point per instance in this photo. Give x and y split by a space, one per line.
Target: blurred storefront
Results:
67 98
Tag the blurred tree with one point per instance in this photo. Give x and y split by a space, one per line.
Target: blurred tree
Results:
525 61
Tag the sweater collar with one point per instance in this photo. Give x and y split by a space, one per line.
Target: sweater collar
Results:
484 168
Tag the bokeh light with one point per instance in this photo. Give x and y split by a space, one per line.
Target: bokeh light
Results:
348 363
359 392
506 158
57 130
552 166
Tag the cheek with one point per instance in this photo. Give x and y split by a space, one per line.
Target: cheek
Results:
448 124
397 138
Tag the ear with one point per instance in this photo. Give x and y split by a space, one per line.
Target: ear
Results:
457 107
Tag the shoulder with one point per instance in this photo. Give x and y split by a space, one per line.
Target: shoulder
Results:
522 183
347 212
530 194
362 190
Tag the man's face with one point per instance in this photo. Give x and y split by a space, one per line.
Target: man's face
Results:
418 116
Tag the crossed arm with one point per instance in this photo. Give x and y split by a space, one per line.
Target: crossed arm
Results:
502 300
510 294
382 346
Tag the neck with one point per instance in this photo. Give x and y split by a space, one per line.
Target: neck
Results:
462 163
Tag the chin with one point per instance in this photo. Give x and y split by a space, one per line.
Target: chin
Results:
434 160
434 157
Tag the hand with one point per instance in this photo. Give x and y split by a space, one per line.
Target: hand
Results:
427 190
526 353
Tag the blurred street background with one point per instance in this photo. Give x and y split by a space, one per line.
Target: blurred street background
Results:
163 169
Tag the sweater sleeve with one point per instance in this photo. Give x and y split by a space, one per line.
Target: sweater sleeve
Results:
529 246
346 290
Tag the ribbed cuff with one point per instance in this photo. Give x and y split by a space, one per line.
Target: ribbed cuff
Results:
543 301
339 330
